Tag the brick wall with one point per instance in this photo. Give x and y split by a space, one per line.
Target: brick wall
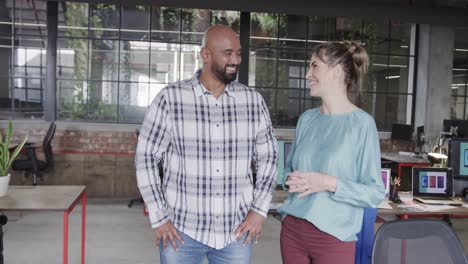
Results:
104 160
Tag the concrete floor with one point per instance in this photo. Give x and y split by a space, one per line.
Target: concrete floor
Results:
114 234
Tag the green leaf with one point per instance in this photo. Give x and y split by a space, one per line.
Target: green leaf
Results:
16 152
2 166
8 134
3 150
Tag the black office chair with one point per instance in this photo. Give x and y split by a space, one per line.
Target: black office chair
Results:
31 164
417 241
140 199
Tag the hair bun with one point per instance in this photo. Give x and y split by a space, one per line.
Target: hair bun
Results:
350 45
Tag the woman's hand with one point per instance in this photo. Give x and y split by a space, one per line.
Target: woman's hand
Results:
306 183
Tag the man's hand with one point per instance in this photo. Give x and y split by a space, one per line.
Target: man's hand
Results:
167 231
306 183
252 224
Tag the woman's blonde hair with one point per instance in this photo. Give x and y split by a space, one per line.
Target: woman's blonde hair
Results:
351 56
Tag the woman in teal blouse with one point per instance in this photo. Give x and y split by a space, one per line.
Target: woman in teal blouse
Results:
333 168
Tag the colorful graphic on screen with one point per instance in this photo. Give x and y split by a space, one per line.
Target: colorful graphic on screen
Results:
463 165
424 181
432 182
440 182
386 179
466 157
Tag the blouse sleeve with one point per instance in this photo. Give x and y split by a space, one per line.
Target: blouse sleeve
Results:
368 190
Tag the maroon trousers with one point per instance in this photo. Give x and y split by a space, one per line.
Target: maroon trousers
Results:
303 243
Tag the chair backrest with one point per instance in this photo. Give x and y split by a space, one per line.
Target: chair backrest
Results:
46 144
415 241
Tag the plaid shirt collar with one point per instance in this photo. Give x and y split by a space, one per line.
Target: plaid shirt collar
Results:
200 90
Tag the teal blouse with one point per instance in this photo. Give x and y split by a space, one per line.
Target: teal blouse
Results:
347 147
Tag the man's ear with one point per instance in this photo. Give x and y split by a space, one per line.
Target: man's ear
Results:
204 52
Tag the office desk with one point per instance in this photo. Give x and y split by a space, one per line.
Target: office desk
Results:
404 161
405 214
47 198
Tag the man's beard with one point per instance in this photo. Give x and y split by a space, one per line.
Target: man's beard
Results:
222 75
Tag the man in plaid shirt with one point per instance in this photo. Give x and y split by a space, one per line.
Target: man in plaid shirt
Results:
207 130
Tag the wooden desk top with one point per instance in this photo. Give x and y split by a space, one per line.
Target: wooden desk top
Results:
395 157
53 198
279 196
457 210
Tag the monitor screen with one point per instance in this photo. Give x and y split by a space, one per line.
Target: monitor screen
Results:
458 127
432 182
287 148
402 131
386 180
458 160
437 182
458 157
284 148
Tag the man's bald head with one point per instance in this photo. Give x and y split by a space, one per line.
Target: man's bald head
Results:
221 53
214 33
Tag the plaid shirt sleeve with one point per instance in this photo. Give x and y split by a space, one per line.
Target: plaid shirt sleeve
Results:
155 136
266 160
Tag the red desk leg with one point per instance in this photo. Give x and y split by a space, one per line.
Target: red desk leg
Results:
83 227
81 198
401 165
65 237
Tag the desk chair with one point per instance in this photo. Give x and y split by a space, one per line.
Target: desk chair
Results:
139 199
365 237
31 164
417 241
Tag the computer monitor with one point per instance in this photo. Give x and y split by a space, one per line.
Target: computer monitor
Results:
458 128
402 131
458 160
284 148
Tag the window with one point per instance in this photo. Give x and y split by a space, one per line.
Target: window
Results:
112 59
23 40
280 47
460 76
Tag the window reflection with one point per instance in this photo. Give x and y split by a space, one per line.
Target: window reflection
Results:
112 59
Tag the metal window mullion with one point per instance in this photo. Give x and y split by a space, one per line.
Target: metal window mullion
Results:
181 27
276 121
388 68
465 96
88 51
150 40
244 34
414 56
304 88
118 63
50 104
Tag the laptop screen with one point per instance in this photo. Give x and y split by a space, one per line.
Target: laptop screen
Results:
386 180
435 182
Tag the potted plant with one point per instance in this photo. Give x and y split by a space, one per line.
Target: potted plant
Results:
6 159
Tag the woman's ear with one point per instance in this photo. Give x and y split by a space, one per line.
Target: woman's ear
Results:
338 71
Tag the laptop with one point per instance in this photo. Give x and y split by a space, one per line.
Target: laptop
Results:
433 186
386 175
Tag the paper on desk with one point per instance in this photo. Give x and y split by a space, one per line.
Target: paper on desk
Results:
384 205
275 206
417 207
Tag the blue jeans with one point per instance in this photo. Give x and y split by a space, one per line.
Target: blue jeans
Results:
193 252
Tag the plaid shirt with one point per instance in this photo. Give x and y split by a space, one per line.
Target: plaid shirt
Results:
207 146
